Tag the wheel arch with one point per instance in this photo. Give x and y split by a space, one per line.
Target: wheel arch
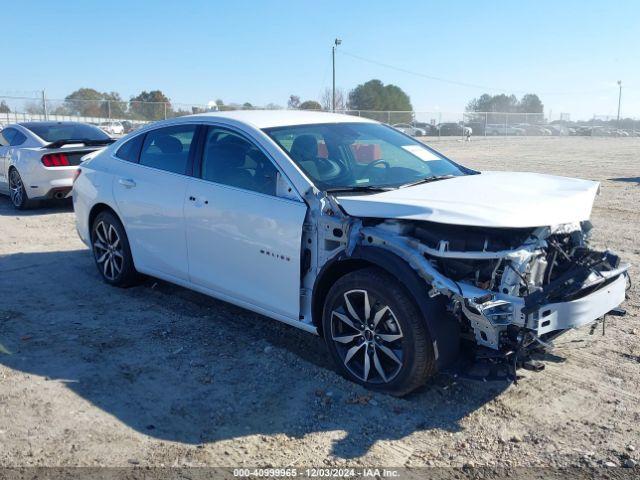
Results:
443 329
12 166
100 207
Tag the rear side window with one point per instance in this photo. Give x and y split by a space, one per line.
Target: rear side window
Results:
18 139
7 135
168 148
130 150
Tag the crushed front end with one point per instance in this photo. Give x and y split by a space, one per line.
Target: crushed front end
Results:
512 289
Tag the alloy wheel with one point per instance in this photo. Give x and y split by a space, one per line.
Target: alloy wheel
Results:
16 188
368 337
107 249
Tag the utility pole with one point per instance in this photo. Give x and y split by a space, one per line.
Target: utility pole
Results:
44 105
336 42
619 99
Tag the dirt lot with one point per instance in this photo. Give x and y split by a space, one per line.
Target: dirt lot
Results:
159 376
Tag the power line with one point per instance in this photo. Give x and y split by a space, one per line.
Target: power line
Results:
455 82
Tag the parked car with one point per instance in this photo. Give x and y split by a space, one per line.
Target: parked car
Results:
582 130
445 129
397 258
39 159
503 129
534 130
112 128
410 129
127 126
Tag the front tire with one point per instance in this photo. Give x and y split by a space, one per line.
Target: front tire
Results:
111 251
376 333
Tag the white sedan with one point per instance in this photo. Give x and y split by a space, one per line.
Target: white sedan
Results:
112 127
39 159
348 228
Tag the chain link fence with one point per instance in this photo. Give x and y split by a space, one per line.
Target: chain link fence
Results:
510 124
131 114
100 112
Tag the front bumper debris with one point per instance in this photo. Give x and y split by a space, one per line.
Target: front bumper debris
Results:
579 312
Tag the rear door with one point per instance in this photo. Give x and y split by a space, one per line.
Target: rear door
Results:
150 193
243 236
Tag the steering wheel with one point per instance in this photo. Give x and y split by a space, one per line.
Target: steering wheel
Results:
373 164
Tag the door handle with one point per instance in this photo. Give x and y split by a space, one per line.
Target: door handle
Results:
127 182
198 201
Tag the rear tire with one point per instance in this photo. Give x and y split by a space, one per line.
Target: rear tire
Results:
376 333
111 251
17 192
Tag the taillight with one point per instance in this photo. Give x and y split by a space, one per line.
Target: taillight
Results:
76 175
55 160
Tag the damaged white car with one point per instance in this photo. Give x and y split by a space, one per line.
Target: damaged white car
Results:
345 227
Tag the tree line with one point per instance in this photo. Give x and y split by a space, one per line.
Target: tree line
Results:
156 105
372 96
529 103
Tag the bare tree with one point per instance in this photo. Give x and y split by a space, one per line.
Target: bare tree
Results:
326 97
33 108
294 102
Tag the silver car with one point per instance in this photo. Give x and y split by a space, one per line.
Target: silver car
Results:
38 160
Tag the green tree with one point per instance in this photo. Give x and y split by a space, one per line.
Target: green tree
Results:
153 105
116 107
86 102
247 106
531 103
310 105
375 95
4 108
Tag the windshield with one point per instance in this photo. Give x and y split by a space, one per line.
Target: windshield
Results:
362 156
53 132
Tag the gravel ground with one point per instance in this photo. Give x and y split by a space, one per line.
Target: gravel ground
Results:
160 376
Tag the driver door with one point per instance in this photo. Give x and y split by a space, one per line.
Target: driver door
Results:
243 236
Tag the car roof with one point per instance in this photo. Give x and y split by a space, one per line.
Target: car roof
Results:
280 118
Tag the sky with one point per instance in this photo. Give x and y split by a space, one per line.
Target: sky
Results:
571 53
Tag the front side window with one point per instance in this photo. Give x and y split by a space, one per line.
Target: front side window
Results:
230 159
355 156
168 148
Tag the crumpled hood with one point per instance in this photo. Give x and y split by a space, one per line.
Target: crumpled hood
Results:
491 199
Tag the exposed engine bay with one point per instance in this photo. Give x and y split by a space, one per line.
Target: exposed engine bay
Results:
511 289
519 271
